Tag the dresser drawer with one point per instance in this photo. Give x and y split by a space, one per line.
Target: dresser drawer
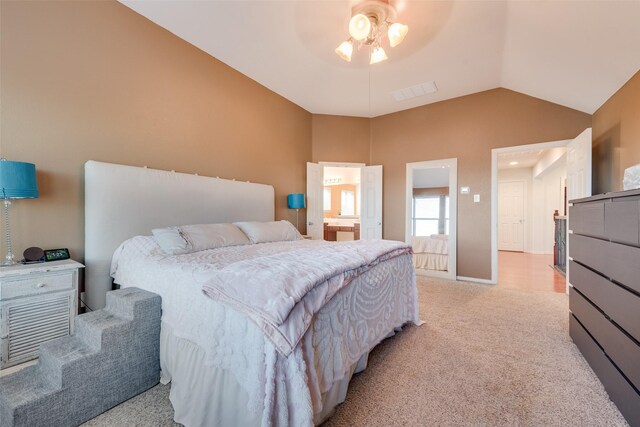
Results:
622 306
620 391
619 347
587 218
615 261
34 285
622 220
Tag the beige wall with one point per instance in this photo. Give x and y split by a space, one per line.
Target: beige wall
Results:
340 139
466 128
95 80
616 137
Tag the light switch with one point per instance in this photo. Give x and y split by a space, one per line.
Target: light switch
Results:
464 190
476 198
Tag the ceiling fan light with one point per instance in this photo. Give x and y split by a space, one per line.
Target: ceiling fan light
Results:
377 55
396 33
359 26
345 50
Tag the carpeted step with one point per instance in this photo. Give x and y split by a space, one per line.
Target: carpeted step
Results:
59 357
132 302
113 356
93 328
23 387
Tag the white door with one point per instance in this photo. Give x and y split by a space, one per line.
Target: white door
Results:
315 209
578 175
579 166
511 216
371 197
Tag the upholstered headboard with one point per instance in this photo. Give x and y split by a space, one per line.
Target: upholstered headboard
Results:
126 201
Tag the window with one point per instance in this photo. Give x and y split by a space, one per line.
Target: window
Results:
430 215
348 203
326 199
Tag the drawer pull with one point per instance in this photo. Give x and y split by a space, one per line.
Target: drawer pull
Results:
41 285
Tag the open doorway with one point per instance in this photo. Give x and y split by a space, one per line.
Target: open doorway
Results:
344 201
531 187
431 216
341 203
531 214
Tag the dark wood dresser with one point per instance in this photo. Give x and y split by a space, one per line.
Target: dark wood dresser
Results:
605 298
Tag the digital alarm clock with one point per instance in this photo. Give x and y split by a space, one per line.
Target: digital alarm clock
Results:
56 254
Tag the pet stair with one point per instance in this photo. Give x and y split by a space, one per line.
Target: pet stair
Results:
113 356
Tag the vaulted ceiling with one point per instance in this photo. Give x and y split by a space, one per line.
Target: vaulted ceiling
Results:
573 53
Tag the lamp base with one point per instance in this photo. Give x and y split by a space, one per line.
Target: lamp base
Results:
8 259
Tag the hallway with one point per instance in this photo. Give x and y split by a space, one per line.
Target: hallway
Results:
525 271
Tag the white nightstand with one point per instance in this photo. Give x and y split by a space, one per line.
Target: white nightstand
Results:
38 302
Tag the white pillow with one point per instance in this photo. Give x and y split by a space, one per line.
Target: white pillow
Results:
211 236
273 231
171 240
199 237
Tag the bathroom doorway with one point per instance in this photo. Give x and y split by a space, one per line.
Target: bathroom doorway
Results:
344 201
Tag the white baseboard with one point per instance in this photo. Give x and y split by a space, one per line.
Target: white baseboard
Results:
434 273
476 280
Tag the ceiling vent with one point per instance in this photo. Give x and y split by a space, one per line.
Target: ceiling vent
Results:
414 91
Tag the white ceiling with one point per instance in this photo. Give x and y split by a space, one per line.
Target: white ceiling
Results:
525 159
574 53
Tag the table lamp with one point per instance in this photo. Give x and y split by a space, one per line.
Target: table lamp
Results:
296 201
17 181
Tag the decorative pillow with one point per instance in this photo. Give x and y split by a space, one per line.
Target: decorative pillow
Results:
171 240
211 236
273 231
199 237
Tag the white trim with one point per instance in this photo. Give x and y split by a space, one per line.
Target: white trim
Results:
452 164
342 165
476 280
494 192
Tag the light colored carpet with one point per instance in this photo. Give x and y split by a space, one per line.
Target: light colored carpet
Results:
486 356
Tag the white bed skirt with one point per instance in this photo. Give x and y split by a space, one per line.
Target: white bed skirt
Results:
430 261
195 387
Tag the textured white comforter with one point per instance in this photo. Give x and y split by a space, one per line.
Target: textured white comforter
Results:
348 326
282 292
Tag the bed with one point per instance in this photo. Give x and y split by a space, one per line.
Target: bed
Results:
431 252
225 367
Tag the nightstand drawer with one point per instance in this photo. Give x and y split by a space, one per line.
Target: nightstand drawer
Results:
27 286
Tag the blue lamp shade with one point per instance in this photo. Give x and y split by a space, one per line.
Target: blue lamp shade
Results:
18 180
295 201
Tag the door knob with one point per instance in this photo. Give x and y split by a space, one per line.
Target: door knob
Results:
310 223
379 223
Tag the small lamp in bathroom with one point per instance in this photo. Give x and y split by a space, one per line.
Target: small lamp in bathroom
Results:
297 202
